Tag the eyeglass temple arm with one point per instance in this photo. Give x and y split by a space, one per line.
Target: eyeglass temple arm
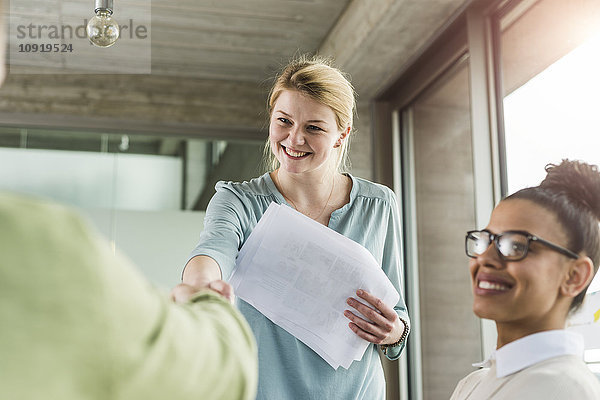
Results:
556 247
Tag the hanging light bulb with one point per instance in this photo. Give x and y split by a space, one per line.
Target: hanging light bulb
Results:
102 30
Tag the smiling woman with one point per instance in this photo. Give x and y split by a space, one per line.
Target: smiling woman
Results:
326 86
530 268
310 119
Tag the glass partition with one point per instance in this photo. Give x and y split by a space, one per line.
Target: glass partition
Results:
145 193
121 171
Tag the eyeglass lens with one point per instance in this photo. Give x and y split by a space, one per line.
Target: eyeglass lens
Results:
513 245
510 245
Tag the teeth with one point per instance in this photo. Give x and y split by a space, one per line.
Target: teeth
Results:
294 153
492 286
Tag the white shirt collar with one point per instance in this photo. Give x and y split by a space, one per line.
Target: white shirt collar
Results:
532 349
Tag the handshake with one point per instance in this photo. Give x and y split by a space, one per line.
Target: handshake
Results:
184 292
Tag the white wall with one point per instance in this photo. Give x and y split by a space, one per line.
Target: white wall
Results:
158 242
89 179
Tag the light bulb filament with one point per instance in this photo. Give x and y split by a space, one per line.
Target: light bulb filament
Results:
102 29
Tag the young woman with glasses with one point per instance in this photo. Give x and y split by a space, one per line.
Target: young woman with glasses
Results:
530 268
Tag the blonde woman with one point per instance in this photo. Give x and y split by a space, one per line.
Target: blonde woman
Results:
530 267
311 108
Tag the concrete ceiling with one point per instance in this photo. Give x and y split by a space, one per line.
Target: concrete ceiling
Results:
248 40
236 39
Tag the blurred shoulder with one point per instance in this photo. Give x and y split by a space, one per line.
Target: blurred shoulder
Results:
26 210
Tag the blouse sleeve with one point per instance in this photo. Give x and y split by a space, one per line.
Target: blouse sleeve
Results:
392 266
224 228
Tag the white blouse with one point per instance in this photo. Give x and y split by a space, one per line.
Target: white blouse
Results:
546 365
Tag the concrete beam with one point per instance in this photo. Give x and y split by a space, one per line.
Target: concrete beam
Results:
137 103
374 40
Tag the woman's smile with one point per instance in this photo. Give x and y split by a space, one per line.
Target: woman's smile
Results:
489 284
295 154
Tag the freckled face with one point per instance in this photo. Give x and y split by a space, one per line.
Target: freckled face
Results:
524 291
303 133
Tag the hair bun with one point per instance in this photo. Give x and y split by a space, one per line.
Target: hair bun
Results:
578 181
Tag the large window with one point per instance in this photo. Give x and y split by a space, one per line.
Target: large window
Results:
550 106
554 116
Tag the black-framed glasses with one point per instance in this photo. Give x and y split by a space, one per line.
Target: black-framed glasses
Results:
510 245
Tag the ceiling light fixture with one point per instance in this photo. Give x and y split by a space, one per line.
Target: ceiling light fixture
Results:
102 29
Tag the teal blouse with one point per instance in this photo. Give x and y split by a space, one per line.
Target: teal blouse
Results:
288 369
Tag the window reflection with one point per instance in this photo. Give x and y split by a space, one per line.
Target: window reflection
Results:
121 171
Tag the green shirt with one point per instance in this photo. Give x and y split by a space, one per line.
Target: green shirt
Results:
80 323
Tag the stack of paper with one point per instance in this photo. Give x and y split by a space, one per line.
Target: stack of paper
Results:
299 273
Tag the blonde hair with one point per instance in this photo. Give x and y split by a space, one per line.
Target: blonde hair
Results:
315 77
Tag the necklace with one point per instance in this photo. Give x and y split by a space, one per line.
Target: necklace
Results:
294 205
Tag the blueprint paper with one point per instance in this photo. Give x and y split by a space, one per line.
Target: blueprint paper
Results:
299 273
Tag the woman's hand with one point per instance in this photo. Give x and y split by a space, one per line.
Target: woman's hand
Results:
183 292
383 325
201 273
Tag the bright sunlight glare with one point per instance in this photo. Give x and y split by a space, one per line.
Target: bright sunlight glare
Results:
555 115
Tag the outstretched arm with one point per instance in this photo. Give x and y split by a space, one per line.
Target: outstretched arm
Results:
201 273
85 323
